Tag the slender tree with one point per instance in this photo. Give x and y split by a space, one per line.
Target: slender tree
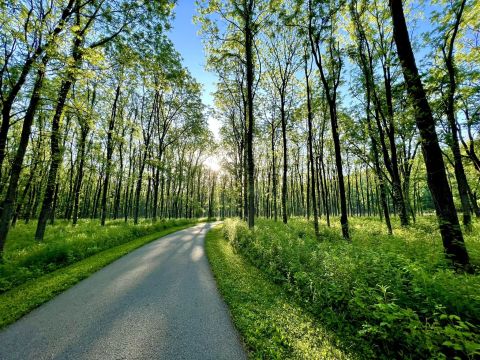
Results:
452 236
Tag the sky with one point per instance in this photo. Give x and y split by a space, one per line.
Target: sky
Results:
184 34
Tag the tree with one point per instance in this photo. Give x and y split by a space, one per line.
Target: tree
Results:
310 144
437 180
330 72
282 62
243 20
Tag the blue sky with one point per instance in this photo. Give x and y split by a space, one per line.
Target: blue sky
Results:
184 35
189 44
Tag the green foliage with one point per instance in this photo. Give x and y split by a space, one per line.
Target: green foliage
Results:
64 244
273 325
26 297
395 294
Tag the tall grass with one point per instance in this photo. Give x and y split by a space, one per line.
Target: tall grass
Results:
64 244
396 294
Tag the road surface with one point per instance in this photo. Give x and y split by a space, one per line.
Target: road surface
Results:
158 302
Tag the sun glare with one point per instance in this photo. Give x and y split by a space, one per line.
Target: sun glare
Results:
213 163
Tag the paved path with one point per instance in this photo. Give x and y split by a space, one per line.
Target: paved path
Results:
158 302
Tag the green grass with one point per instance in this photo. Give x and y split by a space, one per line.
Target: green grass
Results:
383 296
273 325
38 289
26 259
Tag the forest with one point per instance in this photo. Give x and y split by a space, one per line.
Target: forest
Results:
346 168
95 101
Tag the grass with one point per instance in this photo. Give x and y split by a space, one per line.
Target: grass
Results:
383 296
26 259
273 325
43 281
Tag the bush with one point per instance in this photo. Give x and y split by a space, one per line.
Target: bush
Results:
396 293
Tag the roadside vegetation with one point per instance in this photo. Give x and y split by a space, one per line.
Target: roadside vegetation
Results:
272 323
33 273
26 259
383 296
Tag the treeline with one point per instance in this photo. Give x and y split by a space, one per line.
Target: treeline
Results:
325 111
99 117
361 186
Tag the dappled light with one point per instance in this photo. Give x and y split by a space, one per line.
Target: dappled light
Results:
336 141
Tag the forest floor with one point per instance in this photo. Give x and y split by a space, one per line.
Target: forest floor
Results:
158 302
378 296
33 273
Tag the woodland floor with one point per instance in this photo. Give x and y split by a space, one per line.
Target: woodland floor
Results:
377 296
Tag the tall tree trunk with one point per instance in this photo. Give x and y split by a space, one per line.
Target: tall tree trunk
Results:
366 65
462 184
436 174
108 165
285 159
9 201
250 126
331 96
274 172
311 154
79 178
28 186
156 185
398 197
56 151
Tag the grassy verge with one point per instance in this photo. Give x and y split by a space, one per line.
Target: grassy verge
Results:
24 298
272 324
393 295
26 259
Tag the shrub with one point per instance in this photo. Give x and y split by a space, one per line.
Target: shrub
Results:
395 292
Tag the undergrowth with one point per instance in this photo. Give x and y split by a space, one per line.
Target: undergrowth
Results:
26 259
393 295
273 325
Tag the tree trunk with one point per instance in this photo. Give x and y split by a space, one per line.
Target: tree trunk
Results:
79 178
331 94
56 151
249 67
9 201
108 165
285 160
462 183
311 155
436 174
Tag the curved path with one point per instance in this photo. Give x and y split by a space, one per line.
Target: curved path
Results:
158 302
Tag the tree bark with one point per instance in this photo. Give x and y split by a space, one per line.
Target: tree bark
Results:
462 184
9 201
249 5
285 160
311 154
331 94
108 165
450 230
56 151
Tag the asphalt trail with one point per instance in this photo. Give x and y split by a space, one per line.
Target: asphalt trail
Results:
158 302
